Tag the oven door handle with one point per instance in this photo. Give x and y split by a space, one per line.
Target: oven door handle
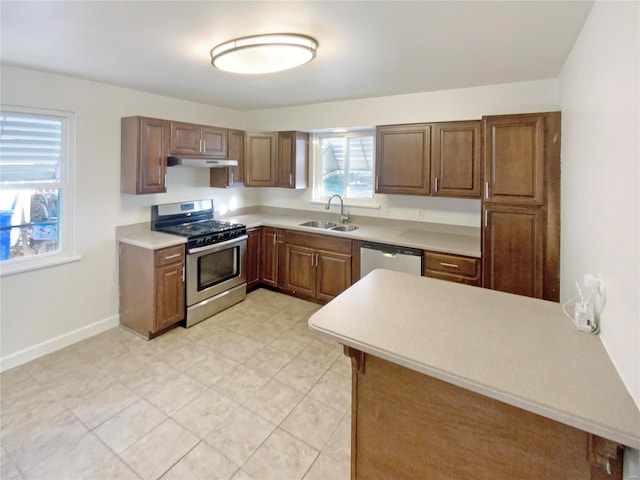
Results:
216 246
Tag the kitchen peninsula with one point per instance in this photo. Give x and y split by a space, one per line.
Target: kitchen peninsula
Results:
453 381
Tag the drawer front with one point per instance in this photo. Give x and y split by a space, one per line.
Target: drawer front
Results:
453 278
454 264
320 242
166 256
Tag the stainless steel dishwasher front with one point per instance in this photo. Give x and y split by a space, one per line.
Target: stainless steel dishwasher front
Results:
391 257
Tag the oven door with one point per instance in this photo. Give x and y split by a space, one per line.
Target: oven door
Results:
216 268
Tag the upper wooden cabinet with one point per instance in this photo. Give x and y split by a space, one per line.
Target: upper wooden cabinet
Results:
514 159
403 159
292 170
277 159
143 155
198 140
260 159
456 159
231 176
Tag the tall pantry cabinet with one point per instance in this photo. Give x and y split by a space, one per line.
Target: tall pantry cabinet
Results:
521 204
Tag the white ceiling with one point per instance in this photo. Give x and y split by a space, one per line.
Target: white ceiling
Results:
367 48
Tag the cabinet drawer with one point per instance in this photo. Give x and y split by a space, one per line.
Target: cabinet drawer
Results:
455 264
320 242
166 256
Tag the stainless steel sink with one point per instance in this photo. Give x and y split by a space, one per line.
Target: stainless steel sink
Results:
319 224
344 228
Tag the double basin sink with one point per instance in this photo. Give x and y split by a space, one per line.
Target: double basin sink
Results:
329 226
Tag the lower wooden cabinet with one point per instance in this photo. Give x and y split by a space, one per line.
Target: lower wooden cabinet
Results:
317 267
455 268
152 296
268 264
254 248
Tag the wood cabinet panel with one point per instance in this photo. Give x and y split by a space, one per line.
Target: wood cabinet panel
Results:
198 140
403 159
260 159
513 253
254 250
214 142
292 166
144 150
170 298
456 159
333 274
231 176
413 426
300 276
514 159
269 263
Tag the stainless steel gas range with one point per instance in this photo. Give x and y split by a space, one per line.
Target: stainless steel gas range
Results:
216 256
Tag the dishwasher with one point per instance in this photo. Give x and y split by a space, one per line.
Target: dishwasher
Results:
391 257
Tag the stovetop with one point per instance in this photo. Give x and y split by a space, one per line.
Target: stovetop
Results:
196 229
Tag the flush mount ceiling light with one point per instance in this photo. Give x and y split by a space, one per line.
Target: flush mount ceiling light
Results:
268 53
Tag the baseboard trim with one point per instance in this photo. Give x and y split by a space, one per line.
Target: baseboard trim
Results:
31 353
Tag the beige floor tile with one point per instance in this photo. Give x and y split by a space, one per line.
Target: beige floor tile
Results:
185 356
239 435
35 441
269 360
242 475
103 405
300 374
201 415
292 342
274 401
212 369
342 366
171 394
237 347
312 422
155 453
81 385
130 425
333 390
321 353
339 445
240 384
281 457
202 463
84 458
325 468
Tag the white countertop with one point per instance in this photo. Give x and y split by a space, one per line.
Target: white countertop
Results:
141 235
519 350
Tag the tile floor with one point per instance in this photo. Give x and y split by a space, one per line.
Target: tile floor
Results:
247 394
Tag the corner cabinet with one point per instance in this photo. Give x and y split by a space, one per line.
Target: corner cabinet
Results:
143 155
403 159
152 295
317 267
277 159
521 204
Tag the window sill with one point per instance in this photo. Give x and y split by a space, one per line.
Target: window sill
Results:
36 264
347 203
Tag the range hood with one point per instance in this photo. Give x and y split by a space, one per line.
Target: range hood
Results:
200 162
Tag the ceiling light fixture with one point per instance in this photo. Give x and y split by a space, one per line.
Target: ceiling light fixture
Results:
268 53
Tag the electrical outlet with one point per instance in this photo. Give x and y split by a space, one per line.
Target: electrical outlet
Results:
419 213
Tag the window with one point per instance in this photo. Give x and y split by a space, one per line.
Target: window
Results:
344 166
36 216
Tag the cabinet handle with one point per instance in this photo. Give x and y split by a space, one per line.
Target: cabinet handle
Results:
377 182
275 240
183 274
175 255
231 178
450 265
486 190
291 179
485 217
436 184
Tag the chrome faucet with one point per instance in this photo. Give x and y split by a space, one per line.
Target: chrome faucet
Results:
343 218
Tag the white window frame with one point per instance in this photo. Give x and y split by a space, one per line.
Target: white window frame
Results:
316 156
66 186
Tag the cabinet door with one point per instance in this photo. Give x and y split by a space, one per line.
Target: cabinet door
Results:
153 156
286 164
269 264
333 274
513 249
236 152
185 139
403 159
169 295
214 142
260 160
514 159
253 256
300 270
455 163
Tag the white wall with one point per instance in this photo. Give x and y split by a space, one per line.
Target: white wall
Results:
42 305
441 106
601 176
